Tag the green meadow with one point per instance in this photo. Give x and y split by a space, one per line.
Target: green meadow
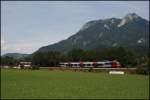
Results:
45 84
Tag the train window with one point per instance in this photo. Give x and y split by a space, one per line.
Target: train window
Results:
88 64
107 63
75 64
69 65
94 64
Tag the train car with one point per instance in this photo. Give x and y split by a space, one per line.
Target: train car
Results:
99 64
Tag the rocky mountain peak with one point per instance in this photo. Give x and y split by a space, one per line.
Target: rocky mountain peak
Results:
131 16
88 24
128 18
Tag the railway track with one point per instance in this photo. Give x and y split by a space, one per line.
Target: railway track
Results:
126 70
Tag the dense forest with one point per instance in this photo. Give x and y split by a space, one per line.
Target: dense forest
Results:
127 57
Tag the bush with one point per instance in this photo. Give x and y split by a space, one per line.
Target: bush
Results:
142 70
90 69
35 67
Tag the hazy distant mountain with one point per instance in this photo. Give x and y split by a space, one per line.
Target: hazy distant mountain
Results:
132 31
16 55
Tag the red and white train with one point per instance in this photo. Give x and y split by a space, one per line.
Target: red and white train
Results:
98 64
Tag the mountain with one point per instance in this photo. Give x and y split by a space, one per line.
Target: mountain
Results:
132 31
16 55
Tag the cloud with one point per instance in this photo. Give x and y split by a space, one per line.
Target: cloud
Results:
18 49
28 47
2 42
3 46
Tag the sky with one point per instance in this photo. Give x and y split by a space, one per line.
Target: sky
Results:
28 25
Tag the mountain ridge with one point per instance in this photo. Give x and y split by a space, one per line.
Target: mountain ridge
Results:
16 55
130 31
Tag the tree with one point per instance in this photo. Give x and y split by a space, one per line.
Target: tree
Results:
51 58
127 57
9 61
76 55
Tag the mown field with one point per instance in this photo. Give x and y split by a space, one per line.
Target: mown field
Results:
44 84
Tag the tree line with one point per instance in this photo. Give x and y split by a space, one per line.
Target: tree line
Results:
127 57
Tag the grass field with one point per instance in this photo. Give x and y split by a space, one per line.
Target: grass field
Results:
43 84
